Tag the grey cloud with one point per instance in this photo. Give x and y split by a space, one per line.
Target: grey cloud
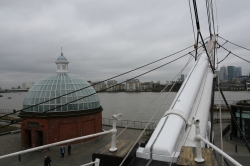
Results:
102 39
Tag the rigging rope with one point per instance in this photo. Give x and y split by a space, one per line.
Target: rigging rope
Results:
97 92
153 100
216 17
152 116
234 43
102 81
221 136
208 16
212 10
233 53
224 58
192 19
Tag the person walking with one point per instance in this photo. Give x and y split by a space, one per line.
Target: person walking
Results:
49 160
69 150
62 150
46 161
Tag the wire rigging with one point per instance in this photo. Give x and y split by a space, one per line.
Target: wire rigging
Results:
102 81
155 97
208 16
233 53
191 19
216 17
98 91
199 34
224 58
154 114
233 43
212 11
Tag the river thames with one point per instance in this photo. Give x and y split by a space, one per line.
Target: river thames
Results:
127 103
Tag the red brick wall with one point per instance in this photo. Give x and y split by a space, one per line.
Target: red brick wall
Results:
56 129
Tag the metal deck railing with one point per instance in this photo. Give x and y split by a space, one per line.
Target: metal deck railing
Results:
133 125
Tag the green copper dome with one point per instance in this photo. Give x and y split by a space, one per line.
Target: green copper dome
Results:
61 58
58 84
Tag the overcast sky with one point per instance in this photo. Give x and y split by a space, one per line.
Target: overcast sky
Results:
102 39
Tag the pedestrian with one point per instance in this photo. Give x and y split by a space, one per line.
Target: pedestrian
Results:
46 161
69 150
62 150
49 160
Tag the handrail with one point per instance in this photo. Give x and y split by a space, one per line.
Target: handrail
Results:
96 162
133 125
123 123
113 141
218 150
199 138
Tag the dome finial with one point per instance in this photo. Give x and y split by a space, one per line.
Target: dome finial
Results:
61 52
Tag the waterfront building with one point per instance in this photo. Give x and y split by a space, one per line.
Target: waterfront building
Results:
99 86
223 74
47 122
238 72
133 85
27 85
111 85
122 87
231 72
231 87
248 85
147 86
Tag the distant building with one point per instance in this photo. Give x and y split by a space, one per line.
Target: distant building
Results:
27 85
223 74
238 72
98 86
133 85
248 85
231 87
111 85
147 86
231 72
122 87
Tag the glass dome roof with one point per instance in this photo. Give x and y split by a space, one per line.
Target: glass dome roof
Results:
57 84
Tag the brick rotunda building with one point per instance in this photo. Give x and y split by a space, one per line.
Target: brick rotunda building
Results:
80 118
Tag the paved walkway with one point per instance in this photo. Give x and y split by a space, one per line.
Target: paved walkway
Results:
81 153
242 156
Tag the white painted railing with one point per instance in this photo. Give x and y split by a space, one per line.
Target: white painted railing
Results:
199 138
96 162
113 141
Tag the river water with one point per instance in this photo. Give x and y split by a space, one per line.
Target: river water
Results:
127 103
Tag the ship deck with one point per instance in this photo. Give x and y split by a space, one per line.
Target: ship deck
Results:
82 153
